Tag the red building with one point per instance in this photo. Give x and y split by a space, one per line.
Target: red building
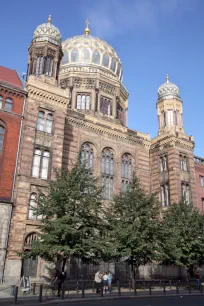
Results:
12 100
199 171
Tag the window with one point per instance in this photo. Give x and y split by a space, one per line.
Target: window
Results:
75 55
106 106
33 204
113 64
87 156
185 192
126 171
183 162
1 101
49 66
107 165
202 201
8 105
170 117
163 163
30 239
39 65
118 69
65 58
201 181
44 122
106 60
85 56
83 102
163 119
2 132
96 58
164 195
40 166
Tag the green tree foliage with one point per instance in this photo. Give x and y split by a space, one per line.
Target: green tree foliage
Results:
134 221
72 222
182 235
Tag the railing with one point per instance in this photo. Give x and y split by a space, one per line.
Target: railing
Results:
89 289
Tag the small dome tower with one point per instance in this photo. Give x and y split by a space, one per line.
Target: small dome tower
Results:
45 52
169 108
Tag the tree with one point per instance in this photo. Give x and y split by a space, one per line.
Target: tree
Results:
134 221
72 222
182 235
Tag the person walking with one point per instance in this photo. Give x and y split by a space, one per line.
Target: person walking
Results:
97 281
110 279
105 282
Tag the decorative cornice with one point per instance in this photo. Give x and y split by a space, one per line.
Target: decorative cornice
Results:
12 90
172 141
102 130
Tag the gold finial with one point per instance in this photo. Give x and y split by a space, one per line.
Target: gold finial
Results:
167 78
87 30
49 19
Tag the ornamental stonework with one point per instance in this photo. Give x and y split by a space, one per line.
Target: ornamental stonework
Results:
107 88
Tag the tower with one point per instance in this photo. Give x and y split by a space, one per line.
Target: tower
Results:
45 52
171 152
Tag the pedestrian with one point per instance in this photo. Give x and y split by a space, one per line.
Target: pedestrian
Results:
110 279
197 276
97 281
105 282
59 278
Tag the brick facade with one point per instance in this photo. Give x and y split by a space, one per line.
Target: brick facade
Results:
199 172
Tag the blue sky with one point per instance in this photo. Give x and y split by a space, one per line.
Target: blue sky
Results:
152 38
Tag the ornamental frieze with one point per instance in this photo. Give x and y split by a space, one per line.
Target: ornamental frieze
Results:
107 88
64 83
43 140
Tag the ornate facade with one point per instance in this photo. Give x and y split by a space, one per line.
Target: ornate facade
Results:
77 103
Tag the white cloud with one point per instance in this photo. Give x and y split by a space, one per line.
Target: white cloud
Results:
111 17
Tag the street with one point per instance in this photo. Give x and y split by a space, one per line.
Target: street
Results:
153 301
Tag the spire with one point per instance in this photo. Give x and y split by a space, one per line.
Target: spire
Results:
49 19
167 78
87 30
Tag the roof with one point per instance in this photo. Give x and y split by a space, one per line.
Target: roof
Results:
10 77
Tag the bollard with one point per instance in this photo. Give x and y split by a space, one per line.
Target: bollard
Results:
77 287
83 290
201 288
135 287
189 287
177 288
130 285
62 291
102 289
34 286
119 292
150 288
16 295
144 285
40 294
164 288
93 288
12 292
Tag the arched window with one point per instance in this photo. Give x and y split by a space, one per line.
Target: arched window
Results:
1 101
45 165
65 58
96 57
48 123
106 106
36 163
170 117
185 192
85 56
44 122
113 64
39 65
2 132
126 171
106 60
118 70
30 239
8 105
75 56
83 102
49 66
87 156
164 195
32 206
107 169
41 121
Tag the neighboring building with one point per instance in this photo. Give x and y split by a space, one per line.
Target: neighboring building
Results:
199 171
77 103
12 98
